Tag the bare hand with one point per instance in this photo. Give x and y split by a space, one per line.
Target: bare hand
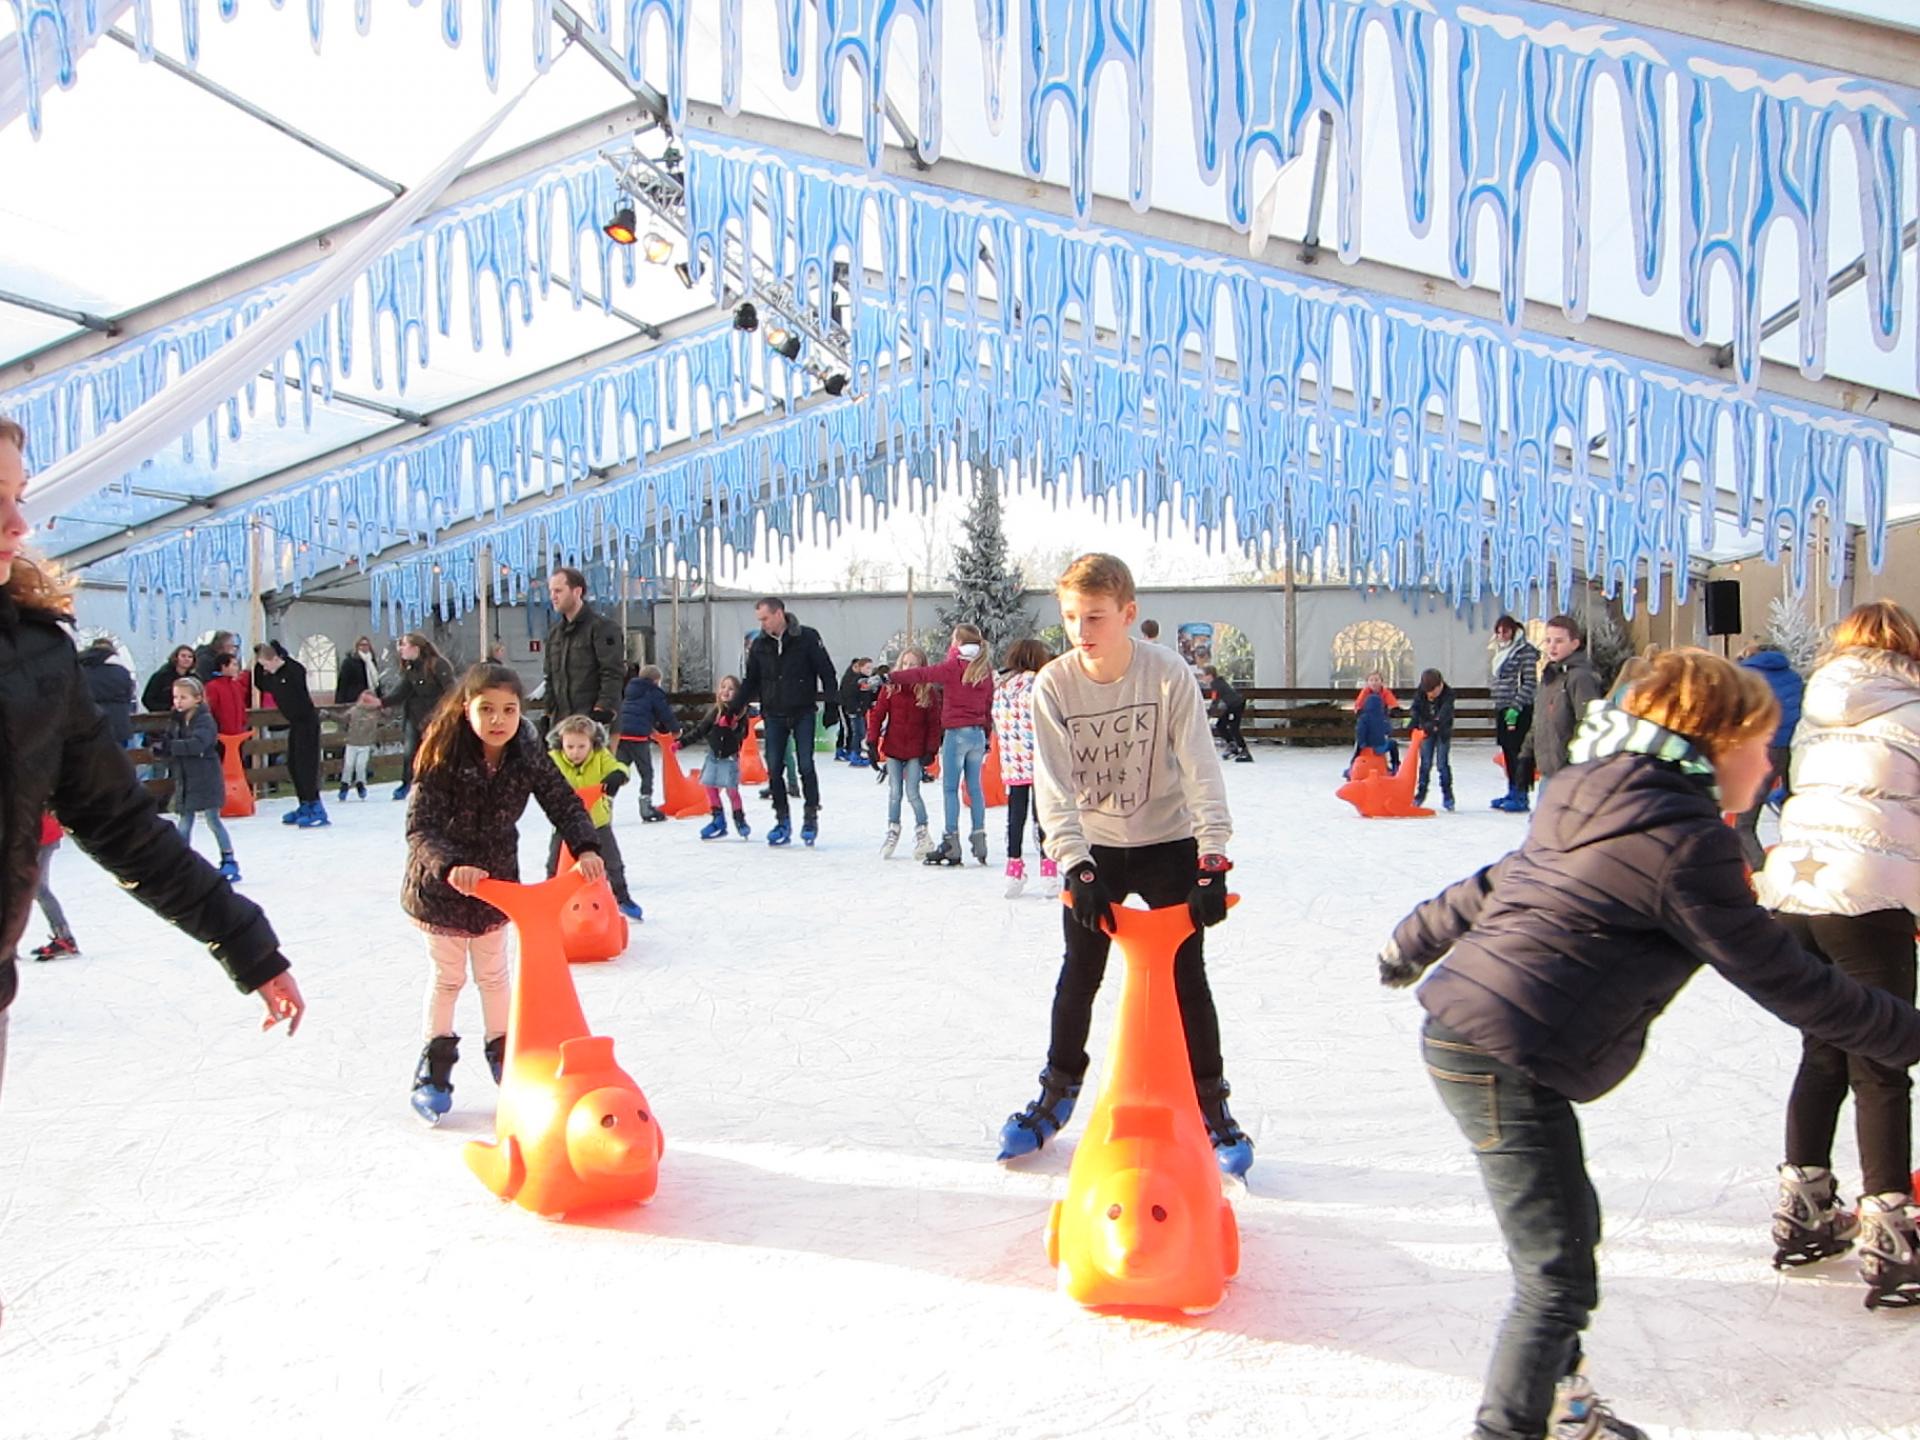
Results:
281 995
466 878
591 866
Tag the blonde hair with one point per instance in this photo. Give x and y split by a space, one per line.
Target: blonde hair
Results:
922 693
32 583
1878 625
1096 573
1715 703
192 686
580 725
981 666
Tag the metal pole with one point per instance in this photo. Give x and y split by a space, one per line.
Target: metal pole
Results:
622 570
485 587
910 639
1316 202
673 683
1292 603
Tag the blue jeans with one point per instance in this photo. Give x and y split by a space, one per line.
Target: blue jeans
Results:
964 747
853 733
1436 752
1527 1140
778 730
213 822
897 785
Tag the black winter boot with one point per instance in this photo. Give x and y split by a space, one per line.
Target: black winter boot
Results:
497 1056
433 1078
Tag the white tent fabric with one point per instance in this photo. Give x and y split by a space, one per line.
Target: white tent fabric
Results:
48 55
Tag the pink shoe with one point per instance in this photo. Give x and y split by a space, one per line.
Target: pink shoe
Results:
1050 877
1016 877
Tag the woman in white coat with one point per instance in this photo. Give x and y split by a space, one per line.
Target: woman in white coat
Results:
1845 879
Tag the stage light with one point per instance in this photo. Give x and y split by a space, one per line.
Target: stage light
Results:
684 271
783 342
620 229
746 317
657 248
834 384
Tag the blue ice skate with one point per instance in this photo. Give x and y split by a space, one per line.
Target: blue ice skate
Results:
781 833
1232 1150
1043 1118
433 1078
810 827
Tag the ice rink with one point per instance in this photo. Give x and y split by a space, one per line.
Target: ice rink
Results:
208 1232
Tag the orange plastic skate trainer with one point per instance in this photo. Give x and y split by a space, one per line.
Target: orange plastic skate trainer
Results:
753 766
1378 795
1145 1224
992 787
683 795
592 928
238 803
572 1131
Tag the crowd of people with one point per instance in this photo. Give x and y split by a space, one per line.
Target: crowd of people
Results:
1539 974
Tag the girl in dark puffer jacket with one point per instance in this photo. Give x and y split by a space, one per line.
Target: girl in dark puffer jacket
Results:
479 762
1558 958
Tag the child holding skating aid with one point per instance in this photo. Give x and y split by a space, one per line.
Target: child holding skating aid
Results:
903 735
191 745
724 733
1133 802
1013 723
580 751
477 764
1556 960
1433 718
965 679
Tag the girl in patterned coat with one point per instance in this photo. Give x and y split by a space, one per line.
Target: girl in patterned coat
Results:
1013 722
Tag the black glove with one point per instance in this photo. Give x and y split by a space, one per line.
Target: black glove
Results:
158 747
1092 905
1207 901
601 714
830 715
615 779
1396 970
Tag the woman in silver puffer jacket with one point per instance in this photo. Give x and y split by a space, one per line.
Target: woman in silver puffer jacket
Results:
1845 879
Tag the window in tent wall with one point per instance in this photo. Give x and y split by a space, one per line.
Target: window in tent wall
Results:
1369 645
321 657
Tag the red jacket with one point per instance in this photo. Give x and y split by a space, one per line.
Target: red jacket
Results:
900 728
227 702
50 831
961 704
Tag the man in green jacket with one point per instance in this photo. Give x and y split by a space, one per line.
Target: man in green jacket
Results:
584 657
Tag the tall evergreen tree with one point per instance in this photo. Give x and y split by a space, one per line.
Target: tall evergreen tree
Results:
986 584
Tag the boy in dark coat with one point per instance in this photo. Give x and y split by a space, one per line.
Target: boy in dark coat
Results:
856 699
1230 706
1558 958
111 685
1433 718
283 679
1568 684
644 713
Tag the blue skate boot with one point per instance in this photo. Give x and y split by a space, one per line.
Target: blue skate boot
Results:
715 828
809 826
740 824
433 1078
1231 1147
781 833
1043 1118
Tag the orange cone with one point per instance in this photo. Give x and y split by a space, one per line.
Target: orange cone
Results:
684 797
991 785
239 801
753 766
1378 795
572 1131
1145 1224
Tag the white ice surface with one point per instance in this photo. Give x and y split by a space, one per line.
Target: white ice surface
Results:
208 1232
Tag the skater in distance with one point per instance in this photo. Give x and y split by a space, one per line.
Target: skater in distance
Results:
1556 960
791 677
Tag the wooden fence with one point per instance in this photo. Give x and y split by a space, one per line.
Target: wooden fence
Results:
1325 717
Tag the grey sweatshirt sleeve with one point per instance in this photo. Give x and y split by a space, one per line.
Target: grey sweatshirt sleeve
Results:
1199 762
1054 800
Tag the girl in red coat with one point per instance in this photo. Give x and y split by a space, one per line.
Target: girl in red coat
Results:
62 941
965 679
903 734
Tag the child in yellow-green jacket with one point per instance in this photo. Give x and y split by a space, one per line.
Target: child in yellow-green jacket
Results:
580 752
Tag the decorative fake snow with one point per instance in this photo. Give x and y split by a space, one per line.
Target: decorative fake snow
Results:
209 1232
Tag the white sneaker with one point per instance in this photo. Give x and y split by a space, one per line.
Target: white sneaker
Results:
893 839
1016 878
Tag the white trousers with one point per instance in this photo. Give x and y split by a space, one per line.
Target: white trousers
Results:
451 955
353 768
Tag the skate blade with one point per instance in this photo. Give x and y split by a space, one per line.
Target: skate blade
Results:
1902 1297
1800 1256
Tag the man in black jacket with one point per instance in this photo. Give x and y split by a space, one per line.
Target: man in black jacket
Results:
111 685
788 672
279 675
583 660
1568 684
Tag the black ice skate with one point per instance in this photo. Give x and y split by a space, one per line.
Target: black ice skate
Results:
948 852
1889 1261
1809 1223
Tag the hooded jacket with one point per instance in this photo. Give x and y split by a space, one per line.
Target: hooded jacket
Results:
1371 729
192 751
1567 687
1433 718
416 688
899 727
1850 830
111 687
644 711
961 703
1560 955
56 753
1788 689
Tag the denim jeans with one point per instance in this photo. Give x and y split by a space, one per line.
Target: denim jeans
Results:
777 730
966 747
853 733
1527 1140
897 785
187 818
1435 752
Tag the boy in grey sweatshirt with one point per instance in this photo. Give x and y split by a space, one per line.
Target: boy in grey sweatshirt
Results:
1129 791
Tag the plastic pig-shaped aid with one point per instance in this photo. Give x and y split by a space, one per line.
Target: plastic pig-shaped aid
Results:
1145 1224
573 1131
1378 795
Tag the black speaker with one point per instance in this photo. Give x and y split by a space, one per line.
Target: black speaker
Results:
1723 607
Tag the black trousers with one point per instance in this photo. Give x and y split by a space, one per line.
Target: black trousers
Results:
1160 875
609 856
1877 950
1227 727
1510 738
1019 801
639 754
303 758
